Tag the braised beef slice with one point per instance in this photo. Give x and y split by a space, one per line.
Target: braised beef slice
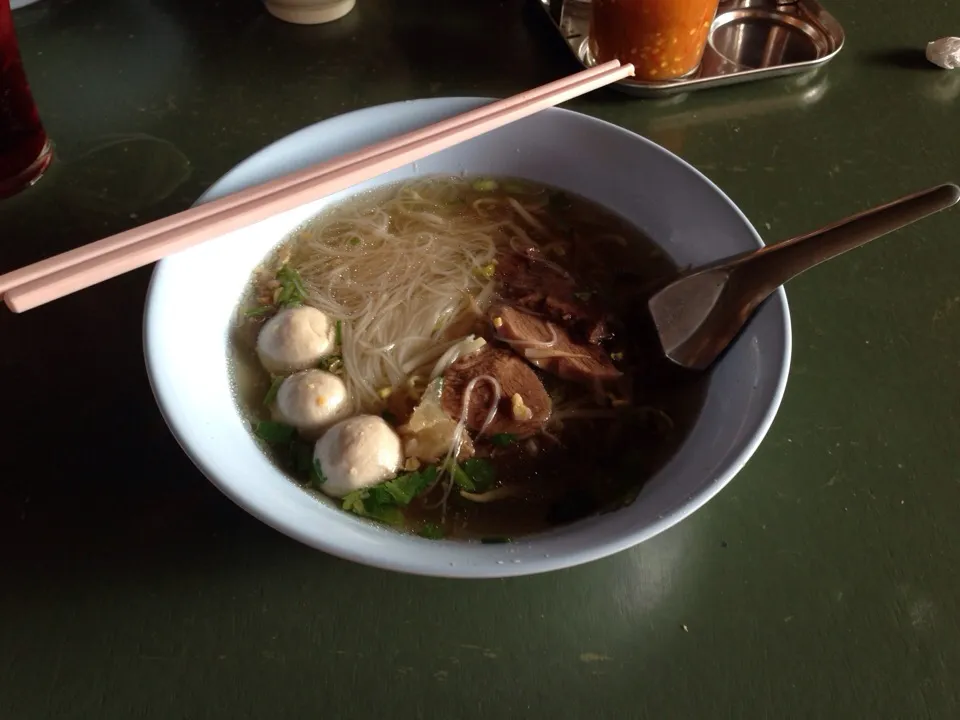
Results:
578 362
515 378
532 284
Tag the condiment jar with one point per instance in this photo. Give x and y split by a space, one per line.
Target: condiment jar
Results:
663 39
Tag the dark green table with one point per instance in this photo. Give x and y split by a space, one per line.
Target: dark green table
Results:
823 582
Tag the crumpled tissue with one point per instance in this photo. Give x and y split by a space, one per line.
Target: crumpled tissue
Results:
944 52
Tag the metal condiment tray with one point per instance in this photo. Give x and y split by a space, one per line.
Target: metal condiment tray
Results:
749 40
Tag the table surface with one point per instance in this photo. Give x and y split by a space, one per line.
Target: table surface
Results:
821 583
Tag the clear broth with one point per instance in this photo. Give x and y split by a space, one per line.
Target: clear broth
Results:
600 464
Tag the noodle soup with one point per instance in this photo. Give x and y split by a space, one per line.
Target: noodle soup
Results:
462 358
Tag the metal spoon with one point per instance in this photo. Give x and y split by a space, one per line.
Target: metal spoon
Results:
698 315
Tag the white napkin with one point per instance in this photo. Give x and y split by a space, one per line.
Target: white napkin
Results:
944 52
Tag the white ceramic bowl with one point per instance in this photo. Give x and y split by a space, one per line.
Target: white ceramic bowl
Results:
193 295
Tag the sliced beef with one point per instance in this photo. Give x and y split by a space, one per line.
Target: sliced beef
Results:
524 405
531 283
578 362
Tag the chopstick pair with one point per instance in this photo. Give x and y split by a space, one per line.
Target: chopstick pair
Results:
74 270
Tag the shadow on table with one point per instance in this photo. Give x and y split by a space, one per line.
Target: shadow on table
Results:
905 58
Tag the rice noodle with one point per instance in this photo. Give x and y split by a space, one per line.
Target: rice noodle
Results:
399 274
532 343
526 216
462 428
466 346
500 493
548 354
531 245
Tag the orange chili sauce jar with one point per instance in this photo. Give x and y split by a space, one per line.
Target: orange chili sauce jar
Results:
664 39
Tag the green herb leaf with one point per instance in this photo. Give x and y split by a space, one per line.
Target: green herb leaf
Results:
481 472
317 478
274 433
353 502
431 531
404 488
494 540
379 496
258 311
292 290
375 503
387 514
271 395
460 477
503 439
485 185
338 330
383 502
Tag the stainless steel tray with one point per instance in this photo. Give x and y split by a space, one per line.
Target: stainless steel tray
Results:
749 40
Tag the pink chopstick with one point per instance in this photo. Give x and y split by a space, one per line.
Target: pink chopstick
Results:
82 267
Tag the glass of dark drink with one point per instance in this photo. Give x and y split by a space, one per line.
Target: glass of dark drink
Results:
25 150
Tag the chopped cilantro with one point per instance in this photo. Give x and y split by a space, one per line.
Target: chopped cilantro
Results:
503 439
460 477
404 488
481 472
292 290
431 531
354 240
514 188
616 356
485 185
272 392
379 495
353 502
473 473
274 433
494 540
369 505
258 311
338 330
383 502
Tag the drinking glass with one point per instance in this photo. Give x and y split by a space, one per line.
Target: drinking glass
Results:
25 150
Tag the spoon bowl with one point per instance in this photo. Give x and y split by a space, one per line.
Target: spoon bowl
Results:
701 312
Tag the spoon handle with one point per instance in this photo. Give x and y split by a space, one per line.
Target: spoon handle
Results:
776 264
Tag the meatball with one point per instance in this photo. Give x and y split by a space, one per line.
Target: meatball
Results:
311 400
358 453
295 339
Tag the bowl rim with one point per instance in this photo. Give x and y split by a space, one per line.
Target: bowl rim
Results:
585 554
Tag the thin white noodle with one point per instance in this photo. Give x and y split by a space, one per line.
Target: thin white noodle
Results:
526 216
398 271
547 354
532 343
535 258
460 429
